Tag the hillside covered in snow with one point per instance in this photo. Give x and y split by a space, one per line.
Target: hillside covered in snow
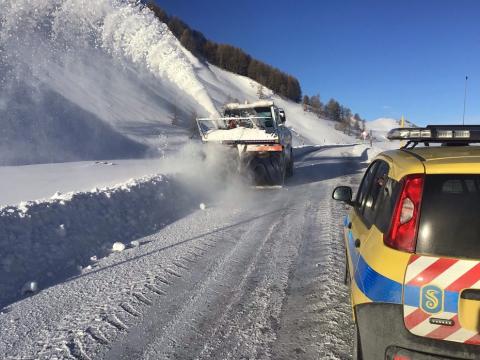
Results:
381 126
107 80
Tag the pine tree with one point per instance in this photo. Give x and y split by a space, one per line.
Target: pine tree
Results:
177 26
332 110
317 106
188 41
159 13
261 92
305 102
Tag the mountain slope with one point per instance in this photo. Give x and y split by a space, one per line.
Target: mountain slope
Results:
104 80
381 126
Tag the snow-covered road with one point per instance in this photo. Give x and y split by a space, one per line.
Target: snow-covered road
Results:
253 276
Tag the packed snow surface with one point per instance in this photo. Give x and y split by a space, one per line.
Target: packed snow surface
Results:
255 274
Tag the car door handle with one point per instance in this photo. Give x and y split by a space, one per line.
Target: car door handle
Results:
357 243
471 294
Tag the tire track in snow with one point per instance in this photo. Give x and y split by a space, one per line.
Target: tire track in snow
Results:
227 301
316 320
209 295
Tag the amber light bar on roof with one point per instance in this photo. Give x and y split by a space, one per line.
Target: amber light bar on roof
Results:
437 133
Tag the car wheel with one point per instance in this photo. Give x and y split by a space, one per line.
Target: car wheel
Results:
357 346
346 279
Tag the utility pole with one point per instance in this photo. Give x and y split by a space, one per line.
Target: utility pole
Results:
465 100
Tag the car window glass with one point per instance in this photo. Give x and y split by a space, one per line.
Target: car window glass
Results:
365 187
385 204
449 215
379 180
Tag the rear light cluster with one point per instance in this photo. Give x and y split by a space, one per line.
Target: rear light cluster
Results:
401 357
403 229
394 353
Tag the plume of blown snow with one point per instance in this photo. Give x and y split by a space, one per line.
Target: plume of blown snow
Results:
89 79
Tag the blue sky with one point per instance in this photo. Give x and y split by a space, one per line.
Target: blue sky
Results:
379 57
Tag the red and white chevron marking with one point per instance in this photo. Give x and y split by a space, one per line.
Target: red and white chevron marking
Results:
450 275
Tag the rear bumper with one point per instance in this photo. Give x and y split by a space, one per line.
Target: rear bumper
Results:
382 330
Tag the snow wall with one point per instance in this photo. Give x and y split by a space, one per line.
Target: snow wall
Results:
49 241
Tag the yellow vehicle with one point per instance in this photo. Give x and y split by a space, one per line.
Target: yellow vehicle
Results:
413 248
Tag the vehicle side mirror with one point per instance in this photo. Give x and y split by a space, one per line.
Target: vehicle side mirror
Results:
343 194
283 118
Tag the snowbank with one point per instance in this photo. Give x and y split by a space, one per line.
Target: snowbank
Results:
48 241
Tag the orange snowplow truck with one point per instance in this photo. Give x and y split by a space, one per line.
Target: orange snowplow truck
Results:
258 132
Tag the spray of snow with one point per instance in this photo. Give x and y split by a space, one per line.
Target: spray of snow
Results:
89 79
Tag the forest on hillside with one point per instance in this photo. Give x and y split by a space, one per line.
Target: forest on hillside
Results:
237 61
229 57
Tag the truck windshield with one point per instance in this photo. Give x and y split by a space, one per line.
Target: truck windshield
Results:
263 116
449 220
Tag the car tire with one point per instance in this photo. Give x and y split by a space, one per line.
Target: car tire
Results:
357 346
346 279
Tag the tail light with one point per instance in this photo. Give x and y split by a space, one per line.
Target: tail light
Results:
403 230
394 353
401 357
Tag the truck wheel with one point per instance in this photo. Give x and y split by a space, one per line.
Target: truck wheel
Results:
268 171
289 172
260 174
277 170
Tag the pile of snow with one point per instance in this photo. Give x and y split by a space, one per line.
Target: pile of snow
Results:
118 247
50 240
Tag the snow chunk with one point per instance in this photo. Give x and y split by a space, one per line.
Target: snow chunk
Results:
118 247
203 206
31 287
61 231
135 243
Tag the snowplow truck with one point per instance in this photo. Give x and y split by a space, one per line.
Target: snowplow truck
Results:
257 132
